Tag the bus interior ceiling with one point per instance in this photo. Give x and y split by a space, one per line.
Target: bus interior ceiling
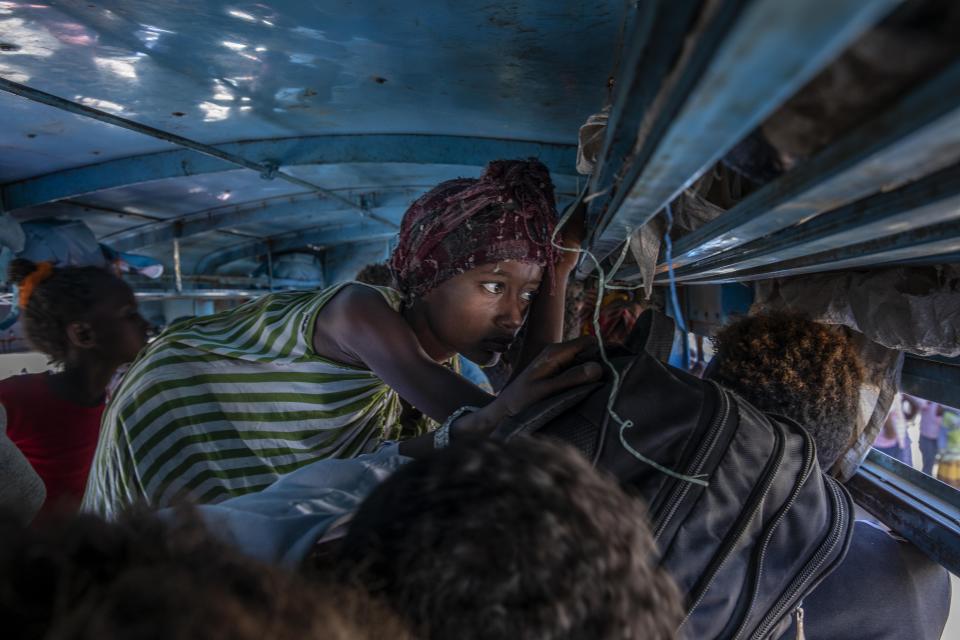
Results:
745 141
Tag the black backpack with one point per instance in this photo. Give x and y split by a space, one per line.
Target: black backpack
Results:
766 530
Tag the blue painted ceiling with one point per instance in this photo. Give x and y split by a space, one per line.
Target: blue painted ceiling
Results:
223 72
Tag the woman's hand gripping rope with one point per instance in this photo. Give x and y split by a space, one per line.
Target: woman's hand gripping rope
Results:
577 212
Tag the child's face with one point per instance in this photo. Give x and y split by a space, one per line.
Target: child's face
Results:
478 313
118 327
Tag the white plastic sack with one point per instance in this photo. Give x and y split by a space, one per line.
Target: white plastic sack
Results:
881 381
590 141
909 309
645 247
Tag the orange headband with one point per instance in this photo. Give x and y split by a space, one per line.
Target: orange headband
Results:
43 271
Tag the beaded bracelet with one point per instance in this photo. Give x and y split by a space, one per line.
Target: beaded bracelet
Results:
441 437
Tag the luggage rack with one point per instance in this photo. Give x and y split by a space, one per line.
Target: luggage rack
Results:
886 192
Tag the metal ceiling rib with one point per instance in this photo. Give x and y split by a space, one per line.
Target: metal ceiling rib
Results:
695 88
301 206
269 170
286 152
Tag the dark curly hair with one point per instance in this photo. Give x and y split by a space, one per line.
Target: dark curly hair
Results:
378 274
64 297
514 541
786 364
82 578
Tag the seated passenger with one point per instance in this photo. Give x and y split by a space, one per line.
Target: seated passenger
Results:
85 319
83 578
512 541
811 372
794 367
224 405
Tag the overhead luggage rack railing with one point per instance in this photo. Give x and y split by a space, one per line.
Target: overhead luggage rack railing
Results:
736 64
918 219
917 135
934 378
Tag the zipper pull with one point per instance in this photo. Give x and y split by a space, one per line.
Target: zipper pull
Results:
798 619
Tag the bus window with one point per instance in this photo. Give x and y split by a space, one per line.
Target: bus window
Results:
925 435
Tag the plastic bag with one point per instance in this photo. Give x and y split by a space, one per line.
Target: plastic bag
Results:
914 309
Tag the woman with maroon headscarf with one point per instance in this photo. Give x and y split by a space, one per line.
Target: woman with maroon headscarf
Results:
474 262
223 405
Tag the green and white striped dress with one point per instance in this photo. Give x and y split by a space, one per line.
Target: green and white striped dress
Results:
223 405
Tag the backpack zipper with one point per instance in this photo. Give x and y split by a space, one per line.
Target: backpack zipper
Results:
749 513
812 568
680 489
808 459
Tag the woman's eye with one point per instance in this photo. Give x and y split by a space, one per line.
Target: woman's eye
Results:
493 287
528 295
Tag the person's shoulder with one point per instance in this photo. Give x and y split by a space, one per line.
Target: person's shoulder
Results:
877 554
898 572
884 588
22 394
20 386
357 296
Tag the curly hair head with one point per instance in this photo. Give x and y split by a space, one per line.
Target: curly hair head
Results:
82 578
377 273
65 296
807 371
522 540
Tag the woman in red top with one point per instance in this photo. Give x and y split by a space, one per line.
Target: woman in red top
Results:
85 319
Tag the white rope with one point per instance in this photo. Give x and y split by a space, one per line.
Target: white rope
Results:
602 285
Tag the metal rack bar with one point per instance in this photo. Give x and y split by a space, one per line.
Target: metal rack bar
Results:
918 134
703 108
922 242
931 200
936 379
921 509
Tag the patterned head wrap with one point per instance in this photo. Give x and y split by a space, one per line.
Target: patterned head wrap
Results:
509 213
